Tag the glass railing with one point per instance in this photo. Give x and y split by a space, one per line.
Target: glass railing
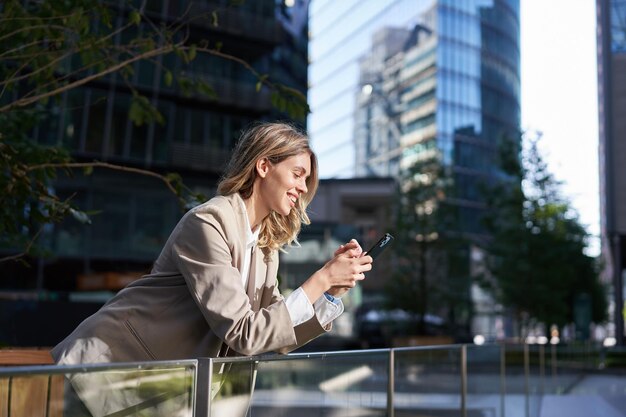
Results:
428 381
141 389
302 384
454 380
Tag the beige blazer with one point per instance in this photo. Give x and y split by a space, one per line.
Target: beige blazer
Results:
193 303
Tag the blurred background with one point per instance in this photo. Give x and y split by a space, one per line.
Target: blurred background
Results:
485 135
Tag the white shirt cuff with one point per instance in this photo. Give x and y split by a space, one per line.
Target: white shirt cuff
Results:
326 310
299 307
301 310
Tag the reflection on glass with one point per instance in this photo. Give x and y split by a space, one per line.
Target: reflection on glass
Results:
329 385
484 381
428 381
137 391
232 385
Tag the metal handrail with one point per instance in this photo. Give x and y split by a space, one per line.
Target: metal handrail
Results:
203 368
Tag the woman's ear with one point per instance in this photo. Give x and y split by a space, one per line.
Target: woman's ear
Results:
262 167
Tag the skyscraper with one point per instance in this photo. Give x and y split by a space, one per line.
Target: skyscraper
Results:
611 38
136 213
394 81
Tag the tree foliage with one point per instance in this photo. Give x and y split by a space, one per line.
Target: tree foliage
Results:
49 47
536 255
432 275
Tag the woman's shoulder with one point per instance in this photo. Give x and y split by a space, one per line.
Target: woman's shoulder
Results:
220 208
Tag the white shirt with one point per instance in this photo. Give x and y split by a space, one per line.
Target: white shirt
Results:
298 304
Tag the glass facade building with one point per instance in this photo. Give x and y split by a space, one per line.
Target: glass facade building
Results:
611 47
392 82
135 213
397 84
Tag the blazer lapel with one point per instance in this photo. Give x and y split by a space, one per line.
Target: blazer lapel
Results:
240 243
258 270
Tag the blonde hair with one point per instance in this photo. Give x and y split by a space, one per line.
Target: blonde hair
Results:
276 142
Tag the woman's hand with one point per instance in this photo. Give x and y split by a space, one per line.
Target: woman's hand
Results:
353 246
339 274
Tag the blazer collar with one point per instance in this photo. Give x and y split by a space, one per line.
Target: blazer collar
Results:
258 268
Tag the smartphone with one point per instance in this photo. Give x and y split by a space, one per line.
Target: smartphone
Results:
380 246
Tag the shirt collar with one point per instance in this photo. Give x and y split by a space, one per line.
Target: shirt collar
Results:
251 237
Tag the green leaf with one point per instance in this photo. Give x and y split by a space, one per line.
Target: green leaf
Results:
88 170
168 78
134 17
105 16
214 19
259 83
206 89
158 116
148 44
192 52
135 113
185 85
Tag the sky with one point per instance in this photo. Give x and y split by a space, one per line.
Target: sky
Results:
559 97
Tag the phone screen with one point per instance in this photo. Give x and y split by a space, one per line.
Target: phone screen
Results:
380 246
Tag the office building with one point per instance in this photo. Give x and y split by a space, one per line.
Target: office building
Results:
135 213
611 50
396 82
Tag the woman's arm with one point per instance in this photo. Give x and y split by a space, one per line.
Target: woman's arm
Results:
202 253
339 274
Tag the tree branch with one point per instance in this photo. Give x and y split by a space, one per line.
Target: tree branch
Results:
30 100
26 45
25 251
60 58
97 164
15 32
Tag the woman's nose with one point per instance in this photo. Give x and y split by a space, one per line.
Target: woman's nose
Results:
302 187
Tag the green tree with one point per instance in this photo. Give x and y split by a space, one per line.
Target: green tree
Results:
49 47
536 254
432 273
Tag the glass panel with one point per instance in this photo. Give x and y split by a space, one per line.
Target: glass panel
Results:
484 381
302 385
536 374
153 223
146 390
69 237
111 229
73 122
560 374
121 105
95 122
428 381
515 380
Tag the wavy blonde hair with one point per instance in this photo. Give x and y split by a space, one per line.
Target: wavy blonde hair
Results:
276 142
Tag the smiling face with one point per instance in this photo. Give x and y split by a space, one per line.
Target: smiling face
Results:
282 184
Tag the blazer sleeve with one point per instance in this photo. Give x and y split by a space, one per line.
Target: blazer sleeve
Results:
306 331
202 252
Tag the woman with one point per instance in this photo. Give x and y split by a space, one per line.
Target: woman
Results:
213 289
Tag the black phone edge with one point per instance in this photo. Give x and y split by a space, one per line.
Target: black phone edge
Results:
379 246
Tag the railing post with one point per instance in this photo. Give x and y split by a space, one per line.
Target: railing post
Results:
542 369
391 384
202 394
554 367
527 379
502 380
463 380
